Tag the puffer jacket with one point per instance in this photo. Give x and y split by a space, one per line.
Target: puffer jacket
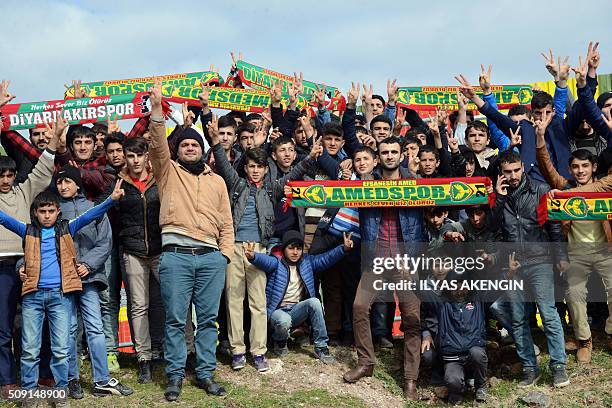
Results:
139 232
517 215
93 242
266 197
277 271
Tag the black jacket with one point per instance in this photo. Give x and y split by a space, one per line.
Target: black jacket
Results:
139 230
517 214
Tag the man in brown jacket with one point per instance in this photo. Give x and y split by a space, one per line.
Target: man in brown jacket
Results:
197 242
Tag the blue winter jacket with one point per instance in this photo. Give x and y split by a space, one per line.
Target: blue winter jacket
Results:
278 273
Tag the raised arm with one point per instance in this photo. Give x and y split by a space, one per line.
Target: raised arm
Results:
550 174
12 224
159 152
97 211
351 143
591 111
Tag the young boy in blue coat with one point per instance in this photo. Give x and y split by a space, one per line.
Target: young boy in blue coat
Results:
290 290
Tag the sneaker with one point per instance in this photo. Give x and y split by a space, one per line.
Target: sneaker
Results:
280 349
238 361
74 389
482 394
530 377
560 378
324 355
261 364
113 387
585 348
113 364
144 372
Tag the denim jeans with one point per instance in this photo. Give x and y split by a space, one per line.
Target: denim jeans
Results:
59 309
284 318
88 302
539 280
502 310
182 276
110 299
10 288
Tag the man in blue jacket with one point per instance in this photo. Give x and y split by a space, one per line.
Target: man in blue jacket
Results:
290 290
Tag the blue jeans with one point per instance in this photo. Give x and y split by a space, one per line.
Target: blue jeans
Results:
502 310
10 289
540 281
88 303
182 276
284 318
59 309
110 299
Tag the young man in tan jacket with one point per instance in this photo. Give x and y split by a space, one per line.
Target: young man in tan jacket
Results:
197 243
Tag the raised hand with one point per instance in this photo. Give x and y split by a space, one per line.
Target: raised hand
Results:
400 119
204 95
485 79
515 137
188 116
213 129
298 82
260 135
442 115
78 92
276 93
581 73
155 96
267 117
453 143
502 185
249 249
369 141
392 90
234 60
113 126
433 126
367 94
462 101
413 164
117 191
348 242
551 66
593 58
540 125
465 88
307 126
352 95
319 96
317 148
5 95
275 134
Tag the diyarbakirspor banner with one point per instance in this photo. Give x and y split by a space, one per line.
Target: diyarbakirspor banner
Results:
263 79
75 111
239 99
134 85
430 97
389 193
576 207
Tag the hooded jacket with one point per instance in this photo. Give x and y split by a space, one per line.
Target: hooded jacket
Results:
93 242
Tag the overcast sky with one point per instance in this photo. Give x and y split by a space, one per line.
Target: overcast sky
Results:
48 43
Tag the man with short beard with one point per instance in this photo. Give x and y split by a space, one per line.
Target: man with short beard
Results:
197 243
516 211
385 228
24 152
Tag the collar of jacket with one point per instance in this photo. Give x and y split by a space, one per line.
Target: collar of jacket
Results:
125 176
